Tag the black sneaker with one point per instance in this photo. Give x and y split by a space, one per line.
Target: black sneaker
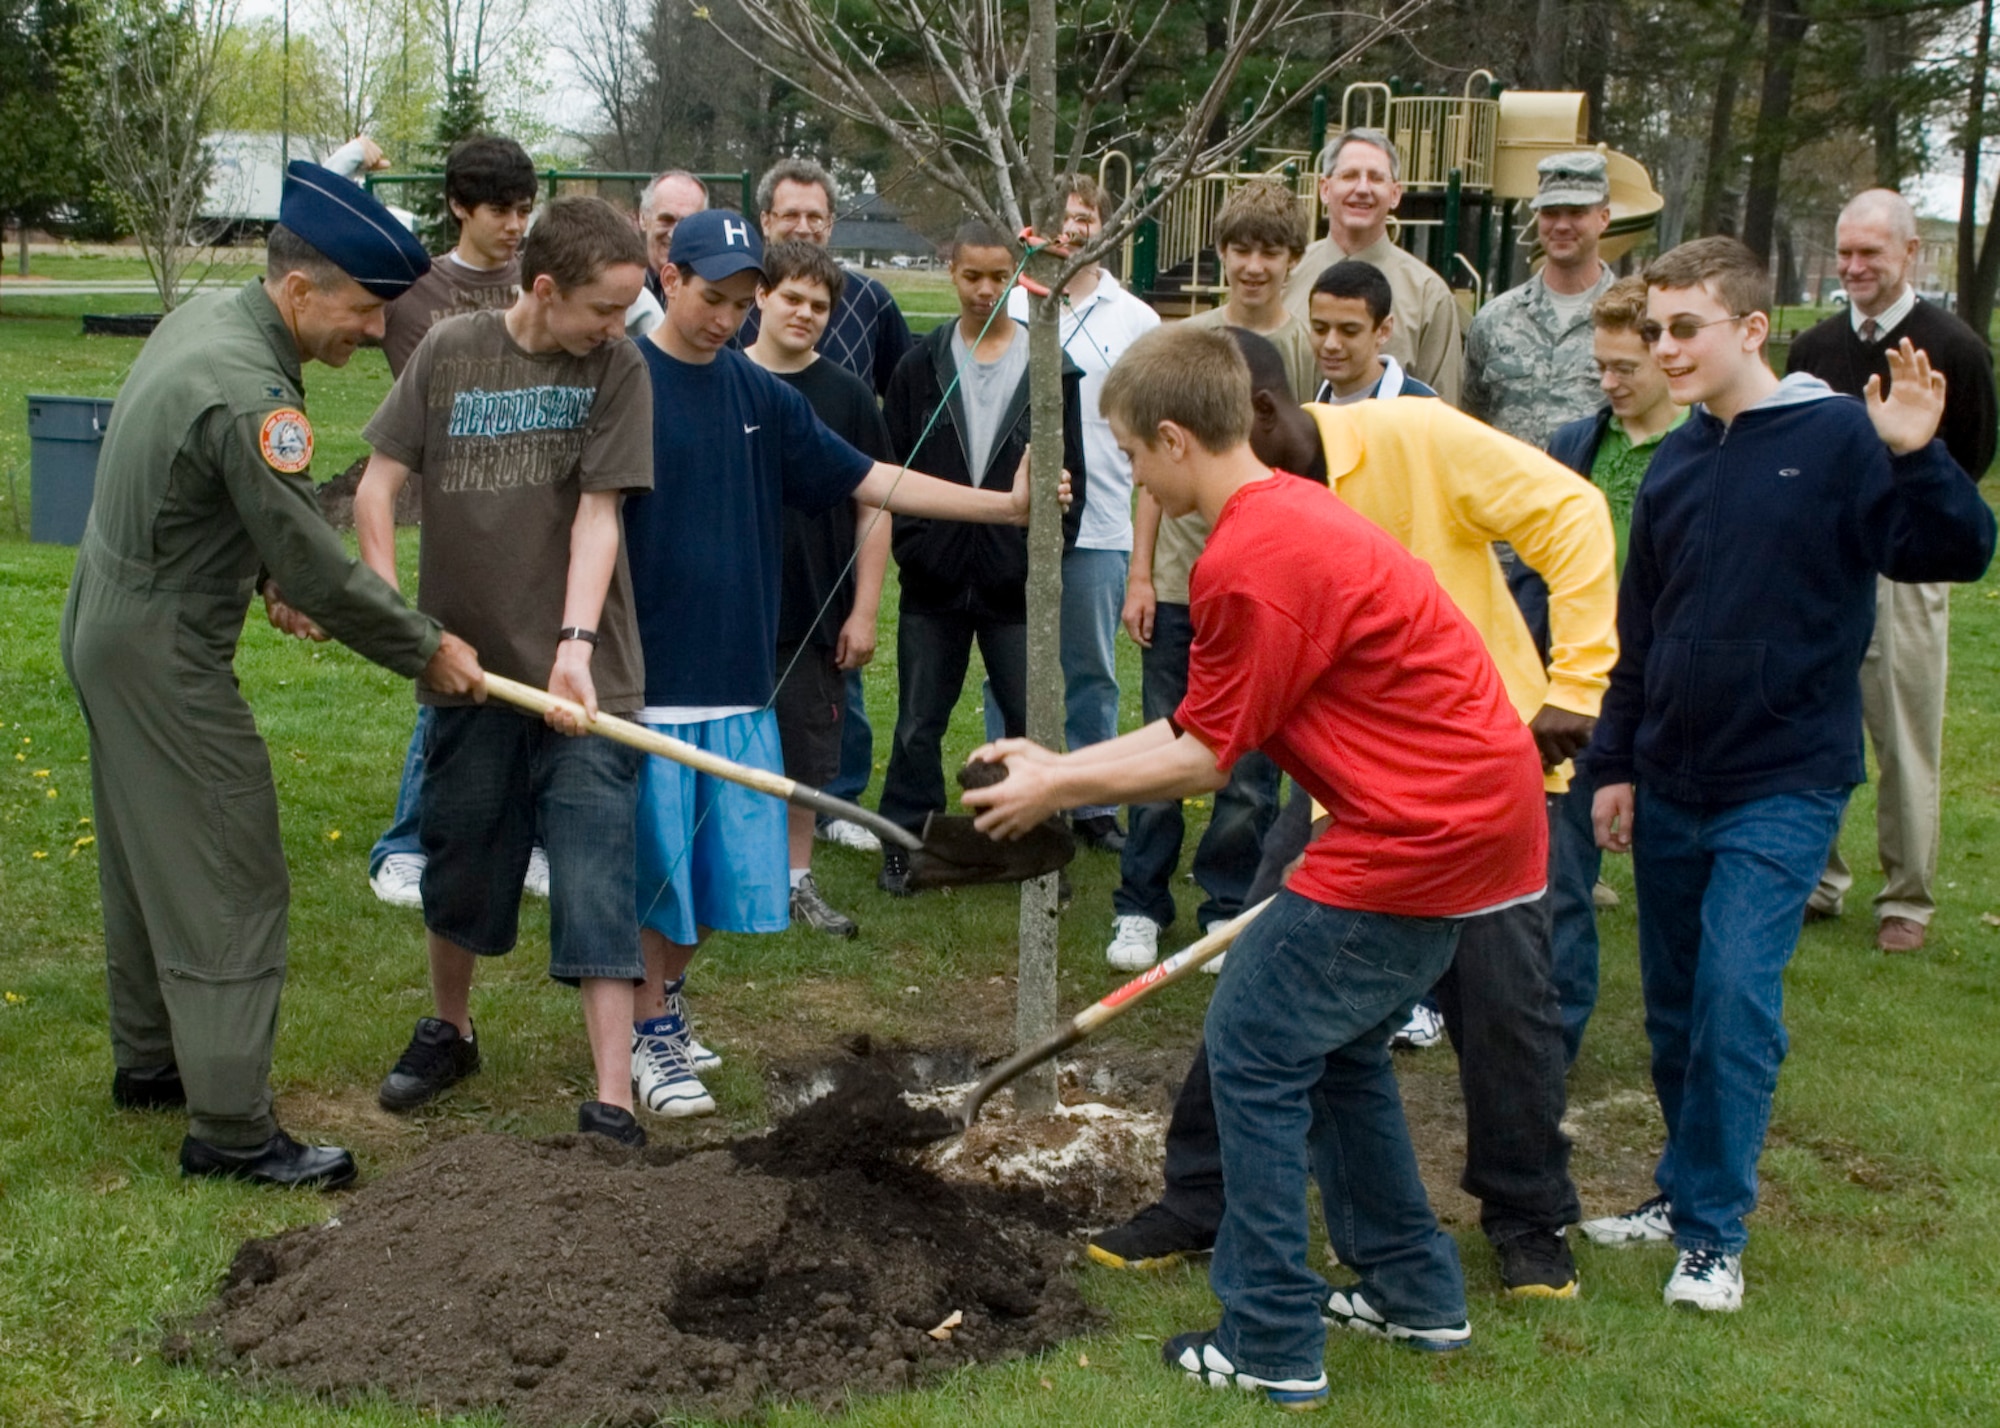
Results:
809 906
1537 1265
1099 831
612 1122
436 1059
147 1088
894 878
1152 1239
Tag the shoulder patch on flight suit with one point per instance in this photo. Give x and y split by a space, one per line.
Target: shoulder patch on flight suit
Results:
286 440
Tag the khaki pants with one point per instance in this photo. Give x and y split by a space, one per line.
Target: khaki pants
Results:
1902 703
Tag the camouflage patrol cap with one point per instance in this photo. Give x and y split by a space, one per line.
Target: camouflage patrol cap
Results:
1576 180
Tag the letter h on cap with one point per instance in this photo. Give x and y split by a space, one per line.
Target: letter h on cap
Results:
735 233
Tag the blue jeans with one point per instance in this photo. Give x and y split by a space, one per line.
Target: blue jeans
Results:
1093 594
857 744
1225 861
401 836
1722 895
1574 863
1298 1046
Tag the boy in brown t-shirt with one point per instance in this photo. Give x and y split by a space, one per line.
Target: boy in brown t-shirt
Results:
527 427
490 186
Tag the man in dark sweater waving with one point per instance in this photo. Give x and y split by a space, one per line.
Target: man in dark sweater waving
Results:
1903 675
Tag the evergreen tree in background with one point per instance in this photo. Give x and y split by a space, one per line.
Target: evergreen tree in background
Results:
461 116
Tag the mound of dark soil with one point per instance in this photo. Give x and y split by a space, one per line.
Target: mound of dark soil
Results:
569 1281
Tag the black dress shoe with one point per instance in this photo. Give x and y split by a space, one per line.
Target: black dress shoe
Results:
278 1161
147 1088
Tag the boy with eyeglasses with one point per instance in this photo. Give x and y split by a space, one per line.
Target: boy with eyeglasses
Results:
1611 449
1731 735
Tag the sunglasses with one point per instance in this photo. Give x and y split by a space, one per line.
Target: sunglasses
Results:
1682 328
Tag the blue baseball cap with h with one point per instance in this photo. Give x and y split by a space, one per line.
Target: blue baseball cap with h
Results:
717 243
354 231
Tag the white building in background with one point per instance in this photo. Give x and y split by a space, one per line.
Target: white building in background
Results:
249 174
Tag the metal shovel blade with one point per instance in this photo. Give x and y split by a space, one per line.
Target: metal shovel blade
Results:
957 855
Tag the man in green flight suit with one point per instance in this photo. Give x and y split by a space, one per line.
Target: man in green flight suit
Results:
202 498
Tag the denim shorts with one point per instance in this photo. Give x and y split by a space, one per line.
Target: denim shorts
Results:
712 853
489 775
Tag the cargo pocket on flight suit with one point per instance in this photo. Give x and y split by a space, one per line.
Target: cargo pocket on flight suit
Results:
245 866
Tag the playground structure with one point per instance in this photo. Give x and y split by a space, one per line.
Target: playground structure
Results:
1468 163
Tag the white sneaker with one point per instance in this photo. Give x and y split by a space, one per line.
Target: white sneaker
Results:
848 834
400 880
1603 895
699 1056
1213 966
1346 1309
665 1080
1707 1279
1135 942
1424 1028
1650 1223
536 883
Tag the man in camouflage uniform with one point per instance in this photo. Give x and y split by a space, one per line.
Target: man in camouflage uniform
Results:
1528 364
202 497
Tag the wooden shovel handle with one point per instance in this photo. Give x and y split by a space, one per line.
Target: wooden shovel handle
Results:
638 736
1212 945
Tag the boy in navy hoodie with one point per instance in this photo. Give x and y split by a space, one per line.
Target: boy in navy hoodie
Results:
1731 735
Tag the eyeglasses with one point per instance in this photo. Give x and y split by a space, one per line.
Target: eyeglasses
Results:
1682 328
799 218
1623 371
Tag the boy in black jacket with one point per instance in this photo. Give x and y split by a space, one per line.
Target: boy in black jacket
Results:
962 582
1731 734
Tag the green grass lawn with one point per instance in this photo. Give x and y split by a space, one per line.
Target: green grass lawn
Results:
1873 1289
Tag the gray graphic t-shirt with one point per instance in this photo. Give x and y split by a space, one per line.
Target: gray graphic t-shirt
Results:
504 442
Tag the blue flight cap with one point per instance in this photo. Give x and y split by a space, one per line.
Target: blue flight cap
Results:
717 243
357 234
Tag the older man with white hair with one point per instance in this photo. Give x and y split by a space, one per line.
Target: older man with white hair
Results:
1903 676
667 199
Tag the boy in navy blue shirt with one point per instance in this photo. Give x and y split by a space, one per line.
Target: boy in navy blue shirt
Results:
1731 735
733 446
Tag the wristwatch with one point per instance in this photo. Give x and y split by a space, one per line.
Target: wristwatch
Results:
576 632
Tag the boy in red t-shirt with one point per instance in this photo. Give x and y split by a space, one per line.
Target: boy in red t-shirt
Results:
1322 642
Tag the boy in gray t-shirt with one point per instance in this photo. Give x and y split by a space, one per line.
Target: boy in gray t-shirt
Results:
526 428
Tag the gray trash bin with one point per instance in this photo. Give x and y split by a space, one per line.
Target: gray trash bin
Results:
64 435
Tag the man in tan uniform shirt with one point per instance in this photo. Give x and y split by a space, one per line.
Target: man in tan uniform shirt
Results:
1361 187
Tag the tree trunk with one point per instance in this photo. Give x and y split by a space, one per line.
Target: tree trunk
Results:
1035 991
1546 57
1593 60
1785 32
1722 124
1881 40
1978 314
1969 292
